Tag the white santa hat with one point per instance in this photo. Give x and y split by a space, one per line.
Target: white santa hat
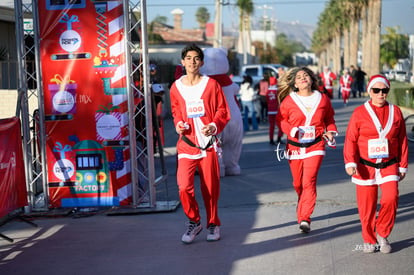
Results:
377 79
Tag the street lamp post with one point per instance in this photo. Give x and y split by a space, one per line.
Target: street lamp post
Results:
265 20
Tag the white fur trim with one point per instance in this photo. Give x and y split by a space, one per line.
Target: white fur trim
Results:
402 170
306 155
377 80
293 131
351 164
376 181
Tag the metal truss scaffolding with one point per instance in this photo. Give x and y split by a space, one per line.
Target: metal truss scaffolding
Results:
32 112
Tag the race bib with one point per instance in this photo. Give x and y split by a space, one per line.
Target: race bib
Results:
195 108
306 134
377 148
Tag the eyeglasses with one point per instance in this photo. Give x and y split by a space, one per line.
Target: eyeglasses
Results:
383 90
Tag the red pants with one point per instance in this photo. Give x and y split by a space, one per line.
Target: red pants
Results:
272 123
305 173
208 169
367 197
345 95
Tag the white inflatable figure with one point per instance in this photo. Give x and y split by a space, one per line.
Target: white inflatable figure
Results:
216 65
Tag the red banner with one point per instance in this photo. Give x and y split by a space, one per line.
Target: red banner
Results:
13 193
85 99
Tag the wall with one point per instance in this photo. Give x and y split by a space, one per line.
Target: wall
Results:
8 103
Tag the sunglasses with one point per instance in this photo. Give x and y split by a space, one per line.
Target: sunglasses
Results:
383 90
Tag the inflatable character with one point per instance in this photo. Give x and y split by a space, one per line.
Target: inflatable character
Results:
216 65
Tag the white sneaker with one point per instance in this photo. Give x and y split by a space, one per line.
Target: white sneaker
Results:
368 248
304 227
192 230
213 233
385 246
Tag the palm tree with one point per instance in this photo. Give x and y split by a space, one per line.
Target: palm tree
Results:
246 8
333 27
202 17
321 40
347 8
365 36
375 37
356 11
338 22
371 30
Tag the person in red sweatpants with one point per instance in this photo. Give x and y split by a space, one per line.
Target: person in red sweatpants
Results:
306 116
200 112
346 82
376 155
272 109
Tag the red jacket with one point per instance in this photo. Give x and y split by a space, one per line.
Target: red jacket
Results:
215 106
346 83
291 115
328 79
272 101
362 128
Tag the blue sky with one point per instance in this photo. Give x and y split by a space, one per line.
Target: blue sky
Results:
394 12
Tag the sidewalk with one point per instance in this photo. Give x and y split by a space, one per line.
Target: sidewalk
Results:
259 230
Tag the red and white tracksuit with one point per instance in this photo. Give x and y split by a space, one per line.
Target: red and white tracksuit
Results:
208 97
272 109
305 162
328 78
369 122
345 82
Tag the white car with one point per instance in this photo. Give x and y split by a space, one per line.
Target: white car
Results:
396 75
400 76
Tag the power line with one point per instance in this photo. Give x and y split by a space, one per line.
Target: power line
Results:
234 4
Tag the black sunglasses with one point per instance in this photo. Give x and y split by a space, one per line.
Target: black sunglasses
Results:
377 90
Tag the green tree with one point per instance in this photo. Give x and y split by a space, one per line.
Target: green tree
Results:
246 8
285 49
160 19
202 17
153 36
393 47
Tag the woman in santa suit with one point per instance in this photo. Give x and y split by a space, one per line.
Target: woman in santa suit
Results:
376 155
306 116
345 82
200 112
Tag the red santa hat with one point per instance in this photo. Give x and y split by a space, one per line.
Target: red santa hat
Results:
377 79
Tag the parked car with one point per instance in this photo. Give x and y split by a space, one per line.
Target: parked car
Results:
397 75
400 76
257 72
